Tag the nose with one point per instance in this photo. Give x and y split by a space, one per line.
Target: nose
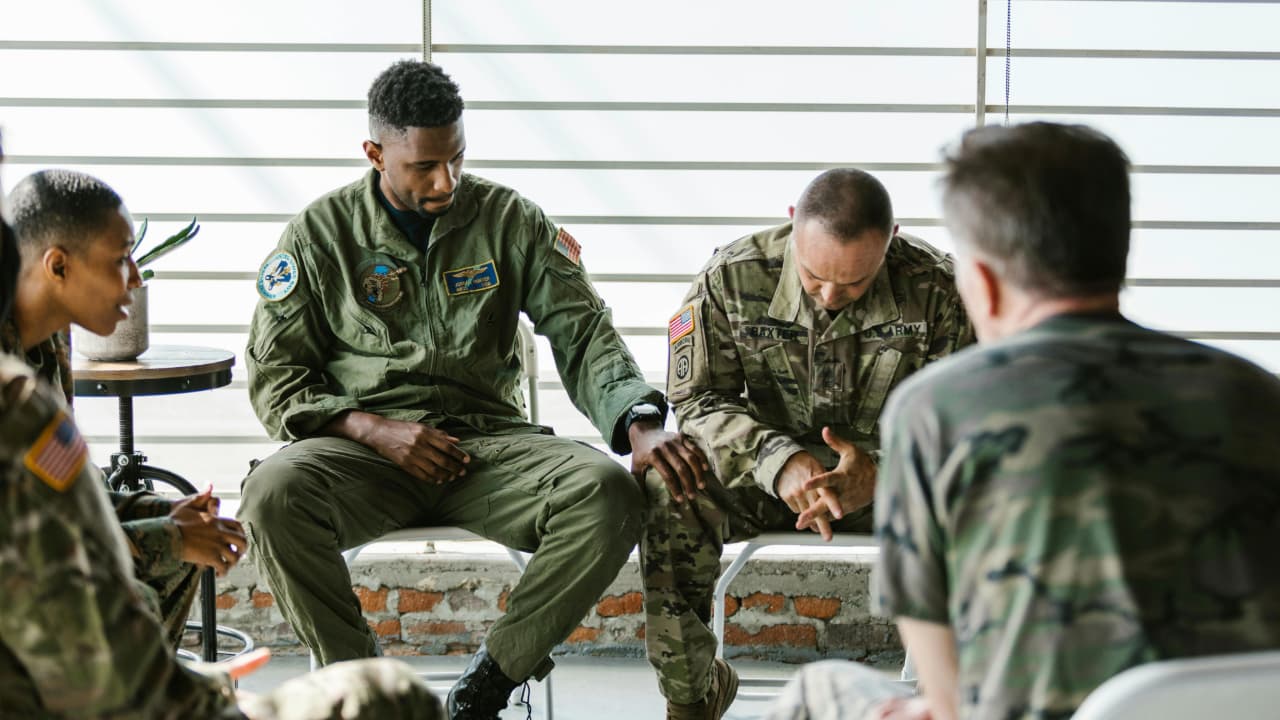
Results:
443 181
135 279
830 295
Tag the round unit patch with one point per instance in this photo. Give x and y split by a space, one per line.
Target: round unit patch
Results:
278 277
380 286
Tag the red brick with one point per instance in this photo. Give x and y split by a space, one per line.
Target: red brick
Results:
803 636
502 599
438 628
583 634
631 603
730 605
225 601
822 608
372 600
261 599
386 628
771 603
416 601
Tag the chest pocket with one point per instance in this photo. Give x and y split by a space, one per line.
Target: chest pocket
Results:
791 395
877 383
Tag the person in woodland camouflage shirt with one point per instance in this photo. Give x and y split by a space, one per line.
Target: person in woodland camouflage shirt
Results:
1078 495
75 236
780 362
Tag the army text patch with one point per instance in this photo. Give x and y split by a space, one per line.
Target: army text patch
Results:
680 325
471 279
885 332
380 285
58 454
567 246
278 277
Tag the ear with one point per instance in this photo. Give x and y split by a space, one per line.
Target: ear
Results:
791 211
53 265
990 290
894 234
373 151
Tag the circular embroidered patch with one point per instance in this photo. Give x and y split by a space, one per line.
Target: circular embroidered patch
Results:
380 286
682 367
278 277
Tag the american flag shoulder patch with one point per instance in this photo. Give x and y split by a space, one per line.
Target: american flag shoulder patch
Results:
567 246
681 324
58 454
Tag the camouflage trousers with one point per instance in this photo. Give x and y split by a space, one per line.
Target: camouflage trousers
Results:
836 690
357 690
680 564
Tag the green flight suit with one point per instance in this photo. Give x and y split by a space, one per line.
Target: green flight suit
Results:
354 316
756 371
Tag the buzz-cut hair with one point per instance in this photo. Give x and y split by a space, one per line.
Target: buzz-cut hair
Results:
412 93
848 202
59 207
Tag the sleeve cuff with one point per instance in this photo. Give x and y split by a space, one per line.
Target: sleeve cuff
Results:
305 421
774 454
157 543
619 441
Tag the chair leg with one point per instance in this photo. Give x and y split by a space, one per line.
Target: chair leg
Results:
722 586
546 695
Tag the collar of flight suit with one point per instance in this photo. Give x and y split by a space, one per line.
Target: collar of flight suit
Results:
385 236
876 307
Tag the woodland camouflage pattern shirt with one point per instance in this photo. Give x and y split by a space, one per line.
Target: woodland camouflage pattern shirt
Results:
1078 499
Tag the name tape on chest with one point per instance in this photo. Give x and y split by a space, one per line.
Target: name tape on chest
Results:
381 286
681 324
567 246
471 279
773 332
278 277
58 454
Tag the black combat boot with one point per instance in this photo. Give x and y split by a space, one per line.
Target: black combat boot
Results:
482 691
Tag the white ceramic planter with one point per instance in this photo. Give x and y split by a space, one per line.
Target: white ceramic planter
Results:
130 339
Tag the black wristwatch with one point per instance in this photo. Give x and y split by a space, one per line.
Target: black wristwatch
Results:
643 411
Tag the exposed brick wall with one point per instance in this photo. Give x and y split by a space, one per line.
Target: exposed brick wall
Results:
780 608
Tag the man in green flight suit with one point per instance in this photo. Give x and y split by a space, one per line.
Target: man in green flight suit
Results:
75 236
780 363
79 639
385 348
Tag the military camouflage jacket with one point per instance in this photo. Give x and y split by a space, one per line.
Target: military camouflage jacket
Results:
76 641
353 316
144 516
1078 499
756 369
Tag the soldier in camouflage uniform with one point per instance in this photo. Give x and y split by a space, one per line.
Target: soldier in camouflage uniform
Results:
1080 494
77 639
385 349
780 362
75 235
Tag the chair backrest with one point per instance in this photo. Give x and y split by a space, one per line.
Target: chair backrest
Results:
529 362
1230 687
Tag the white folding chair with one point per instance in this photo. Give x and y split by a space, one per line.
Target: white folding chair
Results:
1243 686
800 539
529 363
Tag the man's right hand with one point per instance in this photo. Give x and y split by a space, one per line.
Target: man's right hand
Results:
791 488
420 450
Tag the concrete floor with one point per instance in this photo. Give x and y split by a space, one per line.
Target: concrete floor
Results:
585 688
